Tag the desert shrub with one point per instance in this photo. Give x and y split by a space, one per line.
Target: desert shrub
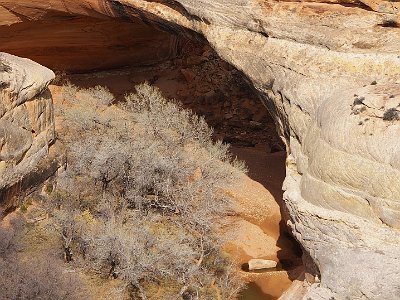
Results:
69 92
392 114
83 117
142 198
8 237
40 276
101 94
166 120
96 96
85 108
61 78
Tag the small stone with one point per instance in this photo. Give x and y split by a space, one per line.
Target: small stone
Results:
259 264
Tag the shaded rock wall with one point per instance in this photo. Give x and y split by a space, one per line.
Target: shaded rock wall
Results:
26 126
80 43
329 72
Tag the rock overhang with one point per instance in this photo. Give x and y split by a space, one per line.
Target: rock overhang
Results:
308 61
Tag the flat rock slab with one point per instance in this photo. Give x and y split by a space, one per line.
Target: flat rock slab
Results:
259 264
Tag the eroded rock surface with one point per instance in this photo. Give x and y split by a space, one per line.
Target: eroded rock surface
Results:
26 126
81 43
329 72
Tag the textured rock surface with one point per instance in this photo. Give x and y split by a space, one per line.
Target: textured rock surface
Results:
81 43
329 72
26 124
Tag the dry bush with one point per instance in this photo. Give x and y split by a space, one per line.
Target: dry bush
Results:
97 96
8 237
101 94
166 120
392 114
61 78
83 117
145 204
69 92
39 276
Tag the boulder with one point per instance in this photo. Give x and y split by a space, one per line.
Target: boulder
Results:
259 264
26 125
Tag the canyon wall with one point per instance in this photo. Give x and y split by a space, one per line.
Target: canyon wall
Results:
26 128
329 72
77 43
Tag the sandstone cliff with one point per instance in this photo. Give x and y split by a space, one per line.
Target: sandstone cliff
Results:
329 72
26 127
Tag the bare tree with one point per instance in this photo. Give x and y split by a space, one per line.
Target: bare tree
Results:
39 277
145 205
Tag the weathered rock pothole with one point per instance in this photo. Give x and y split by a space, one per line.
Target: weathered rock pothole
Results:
192 73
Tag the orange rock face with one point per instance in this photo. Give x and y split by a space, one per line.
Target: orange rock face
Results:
81 43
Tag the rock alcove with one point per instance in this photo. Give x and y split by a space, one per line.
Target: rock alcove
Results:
329 74
89 51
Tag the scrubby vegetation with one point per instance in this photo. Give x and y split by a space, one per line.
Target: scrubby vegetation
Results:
392 114
141 199
37 277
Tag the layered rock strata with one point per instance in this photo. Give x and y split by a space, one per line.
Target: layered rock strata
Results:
26 127
81 43
329 72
